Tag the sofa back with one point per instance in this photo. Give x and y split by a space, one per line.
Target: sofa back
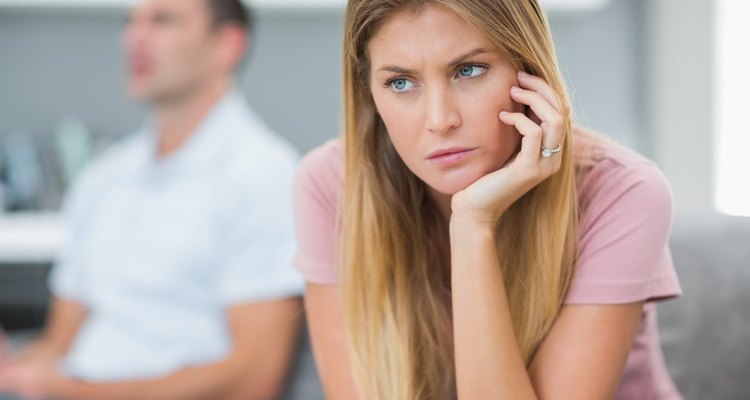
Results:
706 333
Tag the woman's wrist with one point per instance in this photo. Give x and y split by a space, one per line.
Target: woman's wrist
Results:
466 214
463 226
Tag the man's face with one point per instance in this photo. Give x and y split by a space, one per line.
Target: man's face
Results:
169 46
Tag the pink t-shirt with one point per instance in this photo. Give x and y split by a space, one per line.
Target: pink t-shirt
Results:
623 248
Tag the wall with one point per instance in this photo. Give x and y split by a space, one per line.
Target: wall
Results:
639 71
57 62
679 80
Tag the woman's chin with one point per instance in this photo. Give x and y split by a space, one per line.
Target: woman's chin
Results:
450 184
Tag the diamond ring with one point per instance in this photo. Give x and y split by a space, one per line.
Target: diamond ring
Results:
547 153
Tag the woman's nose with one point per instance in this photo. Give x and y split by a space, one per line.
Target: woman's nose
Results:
442 110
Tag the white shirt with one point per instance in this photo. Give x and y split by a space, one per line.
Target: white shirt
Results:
158 249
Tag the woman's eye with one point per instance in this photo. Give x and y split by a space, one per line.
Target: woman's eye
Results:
471 71
400 85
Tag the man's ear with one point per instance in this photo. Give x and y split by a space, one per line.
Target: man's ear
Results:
232 45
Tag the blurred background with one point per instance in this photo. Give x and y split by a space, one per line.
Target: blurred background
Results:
668 78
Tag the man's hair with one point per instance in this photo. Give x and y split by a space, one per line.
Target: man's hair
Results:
230 12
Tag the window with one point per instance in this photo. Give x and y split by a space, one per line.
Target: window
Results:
732 107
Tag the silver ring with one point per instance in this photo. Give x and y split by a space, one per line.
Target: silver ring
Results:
547 153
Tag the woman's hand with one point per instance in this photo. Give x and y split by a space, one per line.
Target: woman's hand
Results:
484 201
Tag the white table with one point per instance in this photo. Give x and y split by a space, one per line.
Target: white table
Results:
30 238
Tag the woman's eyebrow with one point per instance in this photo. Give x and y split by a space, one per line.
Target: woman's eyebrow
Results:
456 61
398 70
461 58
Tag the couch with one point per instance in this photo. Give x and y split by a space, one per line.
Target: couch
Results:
705 333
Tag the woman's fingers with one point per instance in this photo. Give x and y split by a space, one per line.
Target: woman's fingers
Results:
551 121
532 136
530 156
539 85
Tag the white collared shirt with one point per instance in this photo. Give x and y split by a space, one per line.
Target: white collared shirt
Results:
158 249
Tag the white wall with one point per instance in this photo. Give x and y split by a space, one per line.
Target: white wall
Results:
679 73
639 71
59 62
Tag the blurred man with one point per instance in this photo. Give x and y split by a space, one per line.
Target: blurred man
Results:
176 282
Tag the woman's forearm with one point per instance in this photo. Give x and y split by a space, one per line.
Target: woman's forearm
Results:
488 360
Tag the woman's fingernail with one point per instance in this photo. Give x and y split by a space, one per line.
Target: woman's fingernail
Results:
503 113
523 74
515 89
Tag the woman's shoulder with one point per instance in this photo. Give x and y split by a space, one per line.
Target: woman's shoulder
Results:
610 172
323 161
321 172
317 196
626 218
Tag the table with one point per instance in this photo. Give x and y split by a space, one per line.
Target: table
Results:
30 238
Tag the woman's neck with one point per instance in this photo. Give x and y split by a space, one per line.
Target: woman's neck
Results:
442 202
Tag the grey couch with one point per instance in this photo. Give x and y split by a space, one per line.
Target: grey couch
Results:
705 333
304 383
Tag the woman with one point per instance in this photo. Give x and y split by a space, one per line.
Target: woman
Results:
464 239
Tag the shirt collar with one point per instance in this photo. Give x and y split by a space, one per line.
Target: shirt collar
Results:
208 139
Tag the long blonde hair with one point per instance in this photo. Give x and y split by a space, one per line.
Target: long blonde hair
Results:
395 275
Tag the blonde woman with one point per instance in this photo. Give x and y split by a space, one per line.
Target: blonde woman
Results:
463 239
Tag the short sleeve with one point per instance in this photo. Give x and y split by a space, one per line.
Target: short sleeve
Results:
623 251
317 195
255 256
67 278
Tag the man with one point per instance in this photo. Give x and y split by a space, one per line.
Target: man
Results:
176 282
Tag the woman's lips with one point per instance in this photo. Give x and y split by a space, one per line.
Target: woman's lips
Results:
450 156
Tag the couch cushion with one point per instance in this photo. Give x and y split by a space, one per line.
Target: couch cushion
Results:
706 333
303 382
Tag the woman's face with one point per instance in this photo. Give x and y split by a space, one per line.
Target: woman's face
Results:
439 85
